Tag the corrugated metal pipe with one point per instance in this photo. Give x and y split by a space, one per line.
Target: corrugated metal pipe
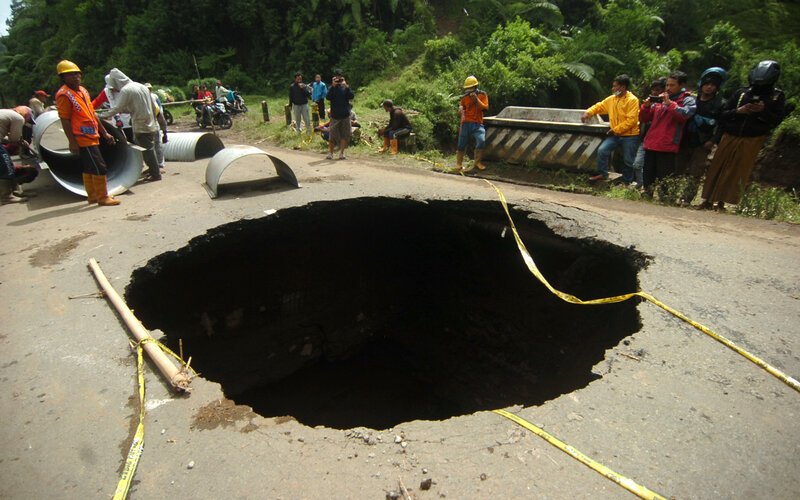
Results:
123 160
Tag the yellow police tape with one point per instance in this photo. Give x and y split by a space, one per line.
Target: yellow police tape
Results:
791 382
623 481
135 451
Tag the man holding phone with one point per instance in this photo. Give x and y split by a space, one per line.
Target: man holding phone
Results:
340 132
746 119
668 116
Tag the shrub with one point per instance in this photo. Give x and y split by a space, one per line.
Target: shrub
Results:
769 203
208 82
440 54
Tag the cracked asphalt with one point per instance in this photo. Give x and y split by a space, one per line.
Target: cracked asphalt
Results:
674 410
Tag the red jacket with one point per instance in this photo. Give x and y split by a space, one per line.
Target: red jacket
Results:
668 122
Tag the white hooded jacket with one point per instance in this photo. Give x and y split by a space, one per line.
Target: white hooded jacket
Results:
133 98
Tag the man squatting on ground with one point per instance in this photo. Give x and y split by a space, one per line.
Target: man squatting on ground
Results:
299 94
471 108
398 126
134 98
667 119
339 95
622 108
83 130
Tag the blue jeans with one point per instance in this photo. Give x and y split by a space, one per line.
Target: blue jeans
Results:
471 129
629 143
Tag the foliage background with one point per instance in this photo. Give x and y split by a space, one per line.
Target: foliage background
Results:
560 53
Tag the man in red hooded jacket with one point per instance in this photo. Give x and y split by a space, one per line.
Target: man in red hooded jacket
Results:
667 119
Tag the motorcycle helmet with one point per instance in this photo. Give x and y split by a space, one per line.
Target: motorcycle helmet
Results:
715 75
765 74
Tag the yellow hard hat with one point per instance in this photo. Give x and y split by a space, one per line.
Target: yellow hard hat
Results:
471 81
67 67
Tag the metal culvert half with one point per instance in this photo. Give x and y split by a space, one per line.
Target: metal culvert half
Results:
123 160
223 159
191 146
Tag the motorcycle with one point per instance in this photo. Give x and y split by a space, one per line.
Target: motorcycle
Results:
237 106
214 114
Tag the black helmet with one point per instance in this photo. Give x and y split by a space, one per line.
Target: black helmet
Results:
764 74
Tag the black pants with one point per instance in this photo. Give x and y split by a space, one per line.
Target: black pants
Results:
321 107
657 165
92 160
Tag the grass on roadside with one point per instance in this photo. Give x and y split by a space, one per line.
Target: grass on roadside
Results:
757 201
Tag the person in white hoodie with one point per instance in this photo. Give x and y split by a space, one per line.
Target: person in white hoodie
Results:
134 98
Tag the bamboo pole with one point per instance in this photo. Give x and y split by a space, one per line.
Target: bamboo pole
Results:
178 378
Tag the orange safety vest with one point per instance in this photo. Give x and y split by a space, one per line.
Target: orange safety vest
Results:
77 108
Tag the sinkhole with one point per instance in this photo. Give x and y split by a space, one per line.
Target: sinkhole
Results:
377 311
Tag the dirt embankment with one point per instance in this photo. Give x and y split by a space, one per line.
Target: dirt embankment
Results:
778 164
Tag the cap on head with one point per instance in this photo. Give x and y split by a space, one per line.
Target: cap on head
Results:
41 94
149 87
387 103
471 81
66 66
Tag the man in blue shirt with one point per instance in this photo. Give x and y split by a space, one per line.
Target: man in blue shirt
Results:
318 93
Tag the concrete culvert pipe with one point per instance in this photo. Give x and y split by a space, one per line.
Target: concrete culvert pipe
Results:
124 161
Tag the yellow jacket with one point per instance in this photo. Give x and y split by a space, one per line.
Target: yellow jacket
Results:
623 113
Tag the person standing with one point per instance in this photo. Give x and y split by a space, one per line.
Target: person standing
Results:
162 124
667 121
622 108
702 132
398 126
299 94
83 130
746 119
318 93
340 128
134 98
657 87
38 102
471 108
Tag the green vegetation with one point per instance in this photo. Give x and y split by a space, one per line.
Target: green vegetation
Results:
532 53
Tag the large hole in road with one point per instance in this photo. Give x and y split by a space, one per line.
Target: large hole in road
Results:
376 311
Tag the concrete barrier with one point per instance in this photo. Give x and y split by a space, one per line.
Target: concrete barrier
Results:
550 137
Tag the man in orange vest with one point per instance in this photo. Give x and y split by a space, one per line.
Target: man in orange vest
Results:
471 108
83 130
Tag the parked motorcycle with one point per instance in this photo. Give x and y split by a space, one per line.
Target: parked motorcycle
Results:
237 106
214 113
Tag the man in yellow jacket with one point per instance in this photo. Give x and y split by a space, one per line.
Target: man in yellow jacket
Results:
622 108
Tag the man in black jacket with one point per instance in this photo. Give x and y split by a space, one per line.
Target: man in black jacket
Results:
746 119
398 126
340 96
299 94
702 132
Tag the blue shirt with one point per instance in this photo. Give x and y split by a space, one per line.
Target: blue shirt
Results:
319 91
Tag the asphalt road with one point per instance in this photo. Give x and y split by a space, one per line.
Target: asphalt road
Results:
674 410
